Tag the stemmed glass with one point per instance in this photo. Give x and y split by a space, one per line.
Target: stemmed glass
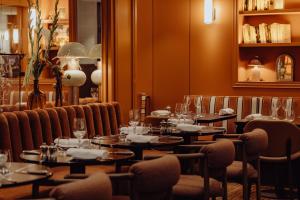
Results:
79 129
179 110
5 163
288 110
197 103
275 107
186 102
134 119
94 92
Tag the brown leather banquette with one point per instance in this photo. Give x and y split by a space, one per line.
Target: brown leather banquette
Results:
27 130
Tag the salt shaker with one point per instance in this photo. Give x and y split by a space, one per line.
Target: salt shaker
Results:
52 152
44 152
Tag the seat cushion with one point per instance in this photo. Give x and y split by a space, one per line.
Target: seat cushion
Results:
235 171
192 186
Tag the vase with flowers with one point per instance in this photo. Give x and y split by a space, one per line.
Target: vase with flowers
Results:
38 53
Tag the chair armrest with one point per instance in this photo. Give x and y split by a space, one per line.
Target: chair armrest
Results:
121 176
203 142
228 136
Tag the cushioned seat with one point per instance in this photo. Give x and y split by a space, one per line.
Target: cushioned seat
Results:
235 171
193 186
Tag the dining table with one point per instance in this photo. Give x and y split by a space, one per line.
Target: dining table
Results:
240 124
77 166
115 141
23 174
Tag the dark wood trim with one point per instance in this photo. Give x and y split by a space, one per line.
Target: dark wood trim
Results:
73 20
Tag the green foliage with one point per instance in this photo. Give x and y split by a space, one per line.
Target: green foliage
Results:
39 59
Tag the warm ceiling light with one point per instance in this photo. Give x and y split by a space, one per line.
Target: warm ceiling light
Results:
209 11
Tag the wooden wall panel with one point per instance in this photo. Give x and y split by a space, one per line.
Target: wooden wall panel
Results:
123 55
170 51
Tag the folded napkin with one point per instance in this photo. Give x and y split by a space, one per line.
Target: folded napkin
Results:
254 116
189 127
181 121
86 154
72 142
226 111
130 130
141 138
161 113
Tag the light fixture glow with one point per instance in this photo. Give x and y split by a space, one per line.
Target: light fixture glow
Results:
16 37
209 11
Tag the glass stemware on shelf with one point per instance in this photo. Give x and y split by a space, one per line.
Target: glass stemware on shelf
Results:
79 129
276 104
287 106
134 119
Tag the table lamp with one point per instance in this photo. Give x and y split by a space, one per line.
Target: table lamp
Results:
96 53
256 64
73 77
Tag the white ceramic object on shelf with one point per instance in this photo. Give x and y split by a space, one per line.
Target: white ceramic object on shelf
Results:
74 78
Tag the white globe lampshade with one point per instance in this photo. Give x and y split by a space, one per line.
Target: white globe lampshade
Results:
97 77
75 78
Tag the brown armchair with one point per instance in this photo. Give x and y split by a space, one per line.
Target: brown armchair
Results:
96 187
247 170
280 161
210 180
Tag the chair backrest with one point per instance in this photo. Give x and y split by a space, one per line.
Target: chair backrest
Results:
256 142
220 154
96 187
154 179
279 133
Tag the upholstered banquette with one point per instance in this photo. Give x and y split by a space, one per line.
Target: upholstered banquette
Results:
27 130
243 106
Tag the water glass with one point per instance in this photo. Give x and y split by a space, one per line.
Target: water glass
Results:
5 161
178 110
274 108
134 119
79 129
290 115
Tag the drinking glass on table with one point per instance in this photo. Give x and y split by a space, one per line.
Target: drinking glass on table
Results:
186 102
79 129
197 104
134 119
178 110
276 104
5 161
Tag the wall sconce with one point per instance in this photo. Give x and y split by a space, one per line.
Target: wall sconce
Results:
209 11
16 36
256 64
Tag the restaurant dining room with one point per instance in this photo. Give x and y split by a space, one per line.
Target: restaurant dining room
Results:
149 99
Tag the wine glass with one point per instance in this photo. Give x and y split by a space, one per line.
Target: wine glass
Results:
197 103
186 102
79 129
178 110
275 107
5 161
134 119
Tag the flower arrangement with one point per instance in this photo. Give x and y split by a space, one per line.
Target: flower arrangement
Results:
38 56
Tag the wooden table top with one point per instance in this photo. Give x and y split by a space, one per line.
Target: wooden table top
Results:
114 155
24 173
210 118
114 141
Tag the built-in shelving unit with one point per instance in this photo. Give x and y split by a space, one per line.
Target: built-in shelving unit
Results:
267 52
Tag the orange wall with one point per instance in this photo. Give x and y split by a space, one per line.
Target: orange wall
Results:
177 54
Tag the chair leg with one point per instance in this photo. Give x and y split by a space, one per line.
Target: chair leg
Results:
258 192
249 190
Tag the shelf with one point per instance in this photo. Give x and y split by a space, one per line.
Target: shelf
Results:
293 44
295 11
282 85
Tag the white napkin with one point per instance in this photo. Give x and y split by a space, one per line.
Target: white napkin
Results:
254 116
86 154
72 142
142 138
130 130
181 121
226 111
189 127
160 113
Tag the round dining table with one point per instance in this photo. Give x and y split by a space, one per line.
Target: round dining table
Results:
115 141
114 155
23 174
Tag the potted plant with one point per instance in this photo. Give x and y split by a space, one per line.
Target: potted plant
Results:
39 57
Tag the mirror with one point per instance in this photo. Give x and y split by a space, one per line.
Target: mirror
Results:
10 29
285 68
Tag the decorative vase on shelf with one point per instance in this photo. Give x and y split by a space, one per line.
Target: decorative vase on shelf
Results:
39 53
36 98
